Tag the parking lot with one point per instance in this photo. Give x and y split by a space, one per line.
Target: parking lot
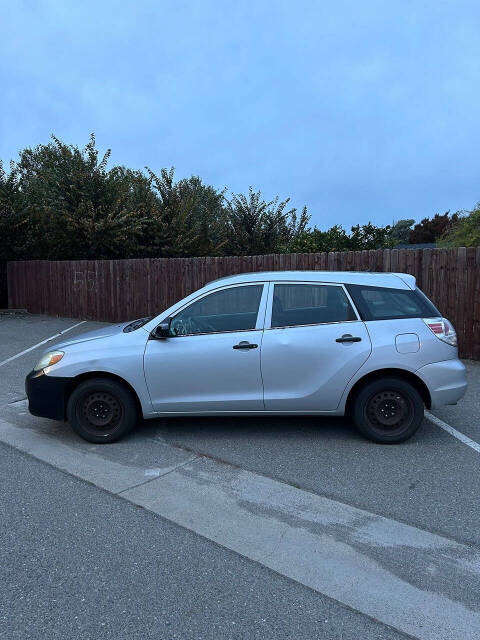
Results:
391 532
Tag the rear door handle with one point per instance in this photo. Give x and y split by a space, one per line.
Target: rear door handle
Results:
245 345
348 338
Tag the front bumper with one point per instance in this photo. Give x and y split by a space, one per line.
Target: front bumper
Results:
46 395
446 381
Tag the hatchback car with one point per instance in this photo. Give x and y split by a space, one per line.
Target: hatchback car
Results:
369 345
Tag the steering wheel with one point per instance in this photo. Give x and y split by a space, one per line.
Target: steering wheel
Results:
190 326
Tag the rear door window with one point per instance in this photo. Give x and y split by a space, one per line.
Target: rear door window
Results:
304 304
382 303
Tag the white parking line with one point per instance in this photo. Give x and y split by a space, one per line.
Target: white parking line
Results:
453 432
39 344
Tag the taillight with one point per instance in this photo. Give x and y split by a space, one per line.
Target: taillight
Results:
442 329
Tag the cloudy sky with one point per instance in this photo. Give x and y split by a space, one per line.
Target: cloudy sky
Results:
360 110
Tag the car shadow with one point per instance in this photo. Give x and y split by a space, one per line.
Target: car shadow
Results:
178 429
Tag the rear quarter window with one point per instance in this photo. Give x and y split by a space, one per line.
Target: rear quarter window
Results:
382 303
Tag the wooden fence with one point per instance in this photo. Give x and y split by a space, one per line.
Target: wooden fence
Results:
116 290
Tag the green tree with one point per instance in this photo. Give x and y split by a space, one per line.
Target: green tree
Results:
315 240
368 236
361 237
465 231
208 215
13 223
75 207
400 231
192 216
62 202
254 226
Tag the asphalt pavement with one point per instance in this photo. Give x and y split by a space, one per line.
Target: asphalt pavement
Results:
430 483
78 562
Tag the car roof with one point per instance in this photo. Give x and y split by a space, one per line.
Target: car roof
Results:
381 279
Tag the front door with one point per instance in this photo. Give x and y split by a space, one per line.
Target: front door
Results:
312 346
211 362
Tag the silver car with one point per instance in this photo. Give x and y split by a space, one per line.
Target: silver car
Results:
369 345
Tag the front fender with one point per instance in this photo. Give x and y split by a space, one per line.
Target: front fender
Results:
118 355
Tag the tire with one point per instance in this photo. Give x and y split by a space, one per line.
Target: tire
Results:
388 410
101 410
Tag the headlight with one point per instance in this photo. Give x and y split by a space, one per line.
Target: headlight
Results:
51 357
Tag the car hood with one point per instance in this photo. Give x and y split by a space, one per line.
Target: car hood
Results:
105 332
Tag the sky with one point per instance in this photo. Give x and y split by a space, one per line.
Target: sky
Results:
362 111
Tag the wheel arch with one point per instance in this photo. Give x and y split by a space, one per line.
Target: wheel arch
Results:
73 384
403 374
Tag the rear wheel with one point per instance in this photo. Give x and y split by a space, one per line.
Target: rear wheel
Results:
388 410
101 410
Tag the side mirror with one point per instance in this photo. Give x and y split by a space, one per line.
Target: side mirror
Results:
162 330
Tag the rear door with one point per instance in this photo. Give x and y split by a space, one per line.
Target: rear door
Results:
314 342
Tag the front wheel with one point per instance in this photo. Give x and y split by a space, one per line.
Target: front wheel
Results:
388 410
101 410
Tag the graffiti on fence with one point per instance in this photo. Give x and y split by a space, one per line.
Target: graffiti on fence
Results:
85 280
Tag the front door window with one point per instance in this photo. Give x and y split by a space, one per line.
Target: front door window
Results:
230 309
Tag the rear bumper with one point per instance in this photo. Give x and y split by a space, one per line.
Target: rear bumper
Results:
446 381
46 395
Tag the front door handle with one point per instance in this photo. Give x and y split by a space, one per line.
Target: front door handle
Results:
348 338
245 345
